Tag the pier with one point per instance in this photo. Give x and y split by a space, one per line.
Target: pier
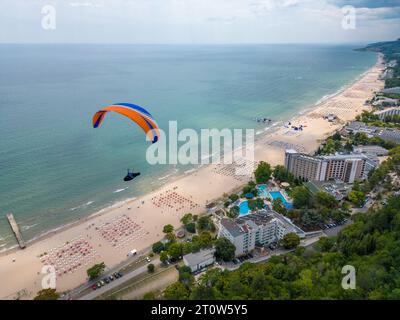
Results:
15 229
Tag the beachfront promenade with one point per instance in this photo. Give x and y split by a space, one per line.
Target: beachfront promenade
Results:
137 224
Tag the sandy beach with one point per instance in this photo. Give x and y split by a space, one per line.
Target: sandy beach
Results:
137 224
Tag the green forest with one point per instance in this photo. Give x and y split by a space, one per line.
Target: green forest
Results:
371 244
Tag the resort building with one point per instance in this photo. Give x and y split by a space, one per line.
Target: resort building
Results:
383 114
347 168
257 229
389 134
371 150
359 127
199 260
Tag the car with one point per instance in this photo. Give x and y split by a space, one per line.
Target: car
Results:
119 274
94 287
106 280
111 278
98 284
148 259
102 283
116 275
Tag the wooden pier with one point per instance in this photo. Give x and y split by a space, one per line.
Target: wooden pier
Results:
15 229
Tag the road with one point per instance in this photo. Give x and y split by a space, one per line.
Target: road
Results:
75 293
117 282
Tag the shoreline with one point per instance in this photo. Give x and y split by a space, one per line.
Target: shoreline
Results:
275 126
272 154
259 135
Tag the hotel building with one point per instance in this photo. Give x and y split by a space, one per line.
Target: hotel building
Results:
347 168
256 229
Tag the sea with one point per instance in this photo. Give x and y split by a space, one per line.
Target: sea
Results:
56 169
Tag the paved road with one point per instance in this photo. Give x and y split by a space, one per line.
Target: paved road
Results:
74 293
117 282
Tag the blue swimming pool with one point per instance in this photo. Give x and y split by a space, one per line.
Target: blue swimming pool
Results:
262 190
244 208
278 195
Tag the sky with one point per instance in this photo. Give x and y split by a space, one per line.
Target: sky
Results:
198 21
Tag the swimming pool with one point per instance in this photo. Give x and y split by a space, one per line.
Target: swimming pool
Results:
244 208
278 195
262 190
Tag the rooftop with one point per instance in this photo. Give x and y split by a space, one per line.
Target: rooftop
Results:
194 259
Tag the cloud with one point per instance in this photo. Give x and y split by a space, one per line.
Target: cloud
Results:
380 13
85 4
260 7
366 3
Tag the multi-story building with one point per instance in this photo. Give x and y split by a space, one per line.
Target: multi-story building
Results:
383 114
347 168
371 150
256 229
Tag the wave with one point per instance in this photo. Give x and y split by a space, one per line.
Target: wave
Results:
120 190
24 228
82 206
190 171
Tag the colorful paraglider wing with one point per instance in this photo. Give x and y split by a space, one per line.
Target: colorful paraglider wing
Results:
136 113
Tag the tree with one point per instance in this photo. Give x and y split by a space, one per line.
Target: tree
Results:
170 237
168 228
96 270
337 136
191 227
258 203
205 239
282 174
149 296
356 197
175 251
158 247
290 240
205 223
233 212
224 249
176 291
324 199
47 294
278 206
301 197
233 197
164 257
263 172
185 276
188 217
151 268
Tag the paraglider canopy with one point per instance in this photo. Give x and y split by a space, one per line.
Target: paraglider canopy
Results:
137 114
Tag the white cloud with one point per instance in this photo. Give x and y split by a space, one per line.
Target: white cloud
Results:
194 21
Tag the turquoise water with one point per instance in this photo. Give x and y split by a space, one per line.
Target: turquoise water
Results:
278 195
262 190
55 168
244 208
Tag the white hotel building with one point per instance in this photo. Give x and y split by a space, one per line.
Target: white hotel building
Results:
345 167
261 228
